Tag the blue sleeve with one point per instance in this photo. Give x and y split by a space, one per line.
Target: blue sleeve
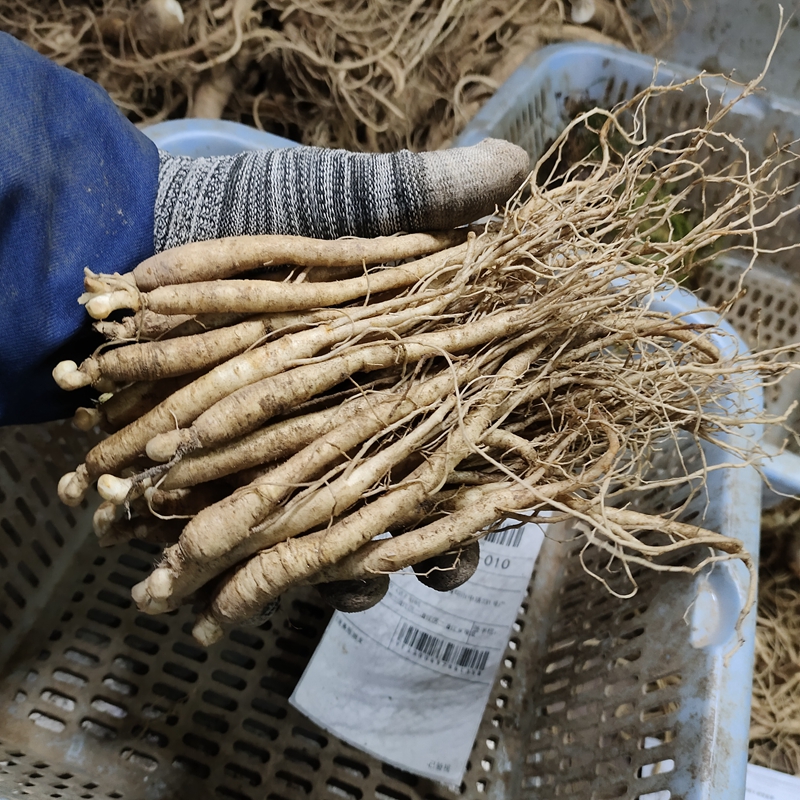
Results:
78 184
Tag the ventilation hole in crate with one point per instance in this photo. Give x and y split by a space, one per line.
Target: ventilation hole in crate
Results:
114 599
56 635
5 621
300 757
630 614
660 710
629 635
220 700
270 709
560 664
98 729
246 639
313 738
46 721
259 729
656 739
342 789
626 659
149 736
549 710
230 794
92 637
26 512
134 562
169 692
570 604
145 762
205 746
103 618
587 686
190 766
119 686
399 775
251 751
81 657
662 683
125 581
140 644
294 781
212 722
561 645
355 768
11 532
28 574
61 701
131 665
180 672
190 651
285 667
151 624
240 773
541 756
14 595
656 768
237 659
152 711
383 792
105 706
53 532
226 679
11 467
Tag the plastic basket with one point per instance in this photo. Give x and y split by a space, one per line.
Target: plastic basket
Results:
597 697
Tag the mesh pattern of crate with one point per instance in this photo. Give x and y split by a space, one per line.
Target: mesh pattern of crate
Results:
597 696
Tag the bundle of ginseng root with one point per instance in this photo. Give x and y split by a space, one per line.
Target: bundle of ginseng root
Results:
270 430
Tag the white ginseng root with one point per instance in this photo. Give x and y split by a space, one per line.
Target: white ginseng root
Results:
333 399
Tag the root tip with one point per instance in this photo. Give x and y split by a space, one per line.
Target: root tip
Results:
113 489
145 601
160 584
69 377
72 489
207 631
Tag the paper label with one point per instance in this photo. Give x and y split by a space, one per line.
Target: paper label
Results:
767 784
408 680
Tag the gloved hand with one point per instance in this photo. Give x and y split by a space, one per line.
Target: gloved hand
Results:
80 187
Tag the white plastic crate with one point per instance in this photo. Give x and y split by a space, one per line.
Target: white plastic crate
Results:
597 697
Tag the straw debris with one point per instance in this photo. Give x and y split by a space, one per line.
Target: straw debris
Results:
373 75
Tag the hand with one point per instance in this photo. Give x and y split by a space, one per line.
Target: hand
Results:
313 192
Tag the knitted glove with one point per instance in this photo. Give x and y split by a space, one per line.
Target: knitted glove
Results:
310 191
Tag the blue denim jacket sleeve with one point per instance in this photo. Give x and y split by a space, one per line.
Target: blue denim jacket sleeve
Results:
78 184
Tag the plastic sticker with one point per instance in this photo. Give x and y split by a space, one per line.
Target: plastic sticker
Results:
408 680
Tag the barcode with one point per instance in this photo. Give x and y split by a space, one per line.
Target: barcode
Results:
433 647
510 537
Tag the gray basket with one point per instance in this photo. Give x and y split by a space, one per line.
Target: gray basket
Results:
597 697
